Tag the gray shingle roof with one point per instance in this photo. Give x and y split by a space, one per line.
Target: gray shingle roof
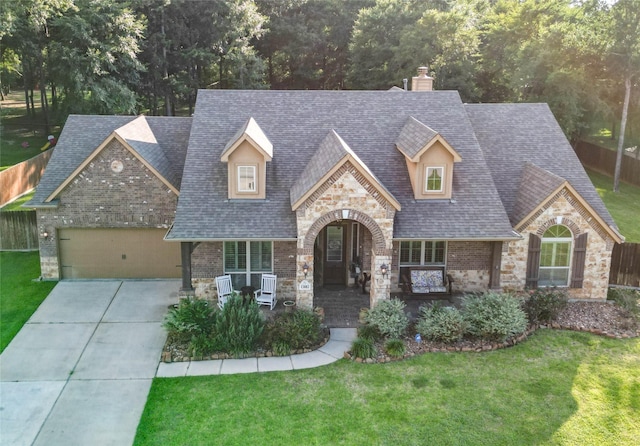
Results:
414 136
253 131
297 122
536 185
513 134
141 138
82 134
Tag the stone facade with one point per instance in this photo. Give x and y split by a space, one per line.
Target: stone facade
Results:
98 197
563 209
346 195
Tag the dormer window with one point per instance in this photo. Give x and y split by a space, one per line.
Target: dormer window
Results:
247 179
430 159
434 179
247 155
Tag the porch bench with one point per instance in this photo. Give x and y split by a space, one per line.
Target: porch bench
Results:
428 282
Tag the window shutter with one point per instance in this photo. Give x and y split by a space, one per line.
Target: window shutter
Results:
579 257
533 261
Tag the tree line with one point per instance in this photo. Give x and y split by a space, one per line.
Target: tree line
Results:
132 56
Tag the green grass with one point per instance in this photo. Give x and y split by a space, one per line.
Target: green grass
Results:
556 388
17 204
17 128
624 206
19 295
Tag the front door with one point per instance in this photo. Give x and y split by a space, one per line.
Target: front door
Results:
334 255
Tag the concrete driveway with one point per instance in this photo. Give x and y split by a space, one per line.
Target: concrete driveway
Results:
79 371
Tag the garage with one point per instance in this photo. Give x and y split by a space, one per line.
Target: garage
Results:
117 254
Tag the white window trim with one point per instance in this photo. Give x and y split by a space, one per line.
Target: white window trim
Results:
254 182
555 240
441 169
248 271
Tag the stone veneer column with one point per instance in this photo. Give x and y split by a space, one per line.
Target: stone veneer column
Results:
346 196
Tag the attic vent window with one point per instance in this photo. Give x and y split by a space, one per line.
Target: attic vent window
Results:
434 177
246 179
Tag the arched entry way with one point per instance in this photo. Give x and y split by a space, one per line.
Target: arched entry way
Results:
335 245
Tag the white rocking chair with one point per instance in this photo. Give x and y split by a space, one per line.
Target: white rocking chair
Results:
266 295
225 289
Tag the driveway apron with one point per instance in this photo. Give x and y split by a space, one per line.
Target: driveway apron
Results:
80 370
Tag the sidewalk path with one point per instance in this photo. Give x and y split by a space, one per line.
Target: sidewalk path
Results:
339 341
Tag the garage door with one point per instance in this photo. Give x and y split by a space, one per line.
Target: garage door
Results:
117 253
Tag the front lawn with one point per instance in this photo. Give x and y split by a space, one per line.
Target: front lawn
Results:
558 387
623 206
20 296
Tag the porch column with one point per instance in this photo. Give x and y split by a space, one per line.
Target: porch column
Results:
185 251
496 262
380 283
304 285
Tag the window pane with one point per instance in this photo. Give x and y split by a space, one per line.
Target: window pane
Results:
235 256
434 179
546 254
553 277
246 178
410 252
261 256
557 231
438 252
238 281
334 243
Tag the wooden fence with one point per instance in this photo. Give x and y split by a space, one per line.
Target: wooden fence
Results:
22 177
604 161
625 265
18 231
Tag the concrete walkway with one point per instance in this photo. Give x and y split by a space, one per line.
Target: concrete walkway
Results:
339 342
80 370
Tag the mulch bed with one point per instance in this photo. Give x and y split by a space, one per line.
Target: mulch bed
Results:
601 318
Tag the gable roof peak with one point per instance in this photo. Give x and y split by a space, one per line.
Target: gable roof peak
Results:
332 153
251 132
416 138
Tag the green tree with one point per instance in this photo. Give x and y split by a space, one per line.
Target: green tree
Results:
192 45
306 46
623 57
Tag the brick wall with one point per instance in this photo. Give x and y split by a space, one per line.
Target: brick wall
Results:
100 198
207 263
574 216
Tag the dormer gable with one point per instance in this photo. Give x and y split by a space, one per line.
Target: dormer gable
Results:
333 153
429 159
247 154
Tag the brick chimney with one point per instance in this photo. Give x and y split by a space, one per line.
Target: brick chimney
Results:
422 82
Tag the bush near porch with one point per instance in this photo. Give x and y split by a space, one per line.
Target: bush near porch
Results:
239 329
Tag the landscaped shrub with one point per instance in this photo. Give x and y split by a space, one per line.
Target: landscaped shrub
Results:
370 332
297 330
494 316
443 324
627 299
545 304
238 326
389 317
363 348
191 317
395 347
